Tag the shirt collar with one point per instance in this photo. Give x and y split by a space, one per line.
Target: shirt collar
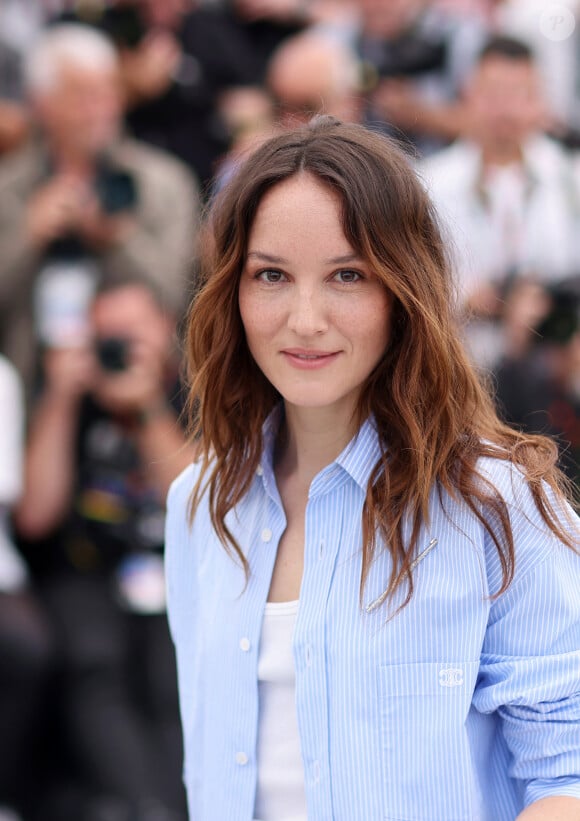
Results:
266 466
357 459
540 161
361 454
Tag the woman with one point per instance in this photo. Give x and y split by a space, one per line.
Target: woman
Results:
392 629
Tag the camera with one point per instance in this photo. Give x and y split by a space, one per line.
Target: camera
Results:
113 354
116 189
122 22
410 55
124 25
562 321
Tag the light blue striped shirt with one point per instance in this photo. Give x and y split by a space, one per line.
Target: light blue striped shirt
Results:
459 707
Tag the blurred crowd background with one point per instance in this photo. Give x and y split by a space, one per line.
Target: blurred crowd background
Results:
118 123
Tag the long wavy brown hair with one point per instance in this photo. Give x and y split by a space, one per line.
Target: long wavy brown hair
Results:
434 417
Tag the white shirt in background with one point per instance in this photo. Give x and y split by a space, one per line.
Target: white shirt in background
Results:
12 568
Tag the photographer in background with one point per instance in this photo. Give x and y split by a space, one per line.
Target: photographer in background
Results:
193 71
538 384
80 203
104 445
414 58
508 194
175 58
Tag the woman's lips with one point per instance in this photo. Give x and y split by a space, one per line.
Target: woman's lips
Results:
309 360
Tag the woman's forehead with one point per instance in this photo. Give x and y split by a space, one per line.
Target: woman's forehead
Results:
300 211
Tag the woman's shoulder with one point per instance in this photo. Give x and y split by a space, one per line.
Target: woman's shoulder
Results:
518 488
525 504
182 486
504 477
179 521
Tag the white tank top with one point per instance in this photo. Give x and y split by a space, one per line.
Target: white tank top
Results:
280 792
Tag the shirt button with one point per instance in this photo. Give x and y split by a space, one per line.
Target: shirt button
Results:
308 655
245 644
241 759
266 534
321 548
260 470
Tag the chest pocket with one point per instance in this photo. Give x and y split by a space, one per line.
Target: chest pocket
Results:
427 767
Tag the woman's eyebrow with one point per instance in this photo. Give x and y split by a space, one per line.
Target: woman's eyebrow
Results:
345 258
267 257
280 260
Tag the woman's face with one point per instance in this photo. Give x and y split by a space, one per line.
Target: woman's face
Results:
317 320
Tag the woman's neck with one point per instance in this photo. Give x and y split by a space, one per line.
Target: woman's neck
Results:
310 439
502 154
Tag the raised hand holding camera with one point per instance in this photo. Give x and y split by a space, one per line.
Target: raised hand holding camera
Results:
101 230
55 208
130 377
115 345
69 373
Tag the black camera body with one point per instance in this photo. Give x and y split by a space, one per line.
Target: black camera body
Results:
116 189
124 25
408 56
122 22
113 353
562 321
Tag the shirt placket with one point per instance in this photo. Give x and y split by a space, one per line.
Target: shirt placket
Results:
321 549
246 615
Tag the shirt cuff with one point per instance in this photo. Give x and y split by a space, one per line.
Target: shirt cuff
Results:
546 787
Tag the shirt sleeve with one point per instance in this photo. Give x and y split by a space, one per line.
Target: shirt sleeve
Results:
182 605
179 556
530 663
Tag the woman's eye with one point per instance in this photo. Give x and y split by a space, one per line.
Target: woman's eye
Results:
347 276
270 276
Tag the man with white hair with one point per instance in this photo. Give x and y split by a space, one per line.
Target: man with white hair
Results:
81 203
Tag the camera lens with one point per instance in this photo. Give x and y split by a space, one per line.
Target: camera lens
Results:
113 354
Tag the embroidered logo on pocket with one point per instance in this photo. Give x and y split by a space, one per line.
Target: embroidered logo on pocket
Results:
451 677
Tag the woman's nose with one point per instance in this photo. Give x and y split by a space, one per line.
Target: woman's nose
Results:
308 315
